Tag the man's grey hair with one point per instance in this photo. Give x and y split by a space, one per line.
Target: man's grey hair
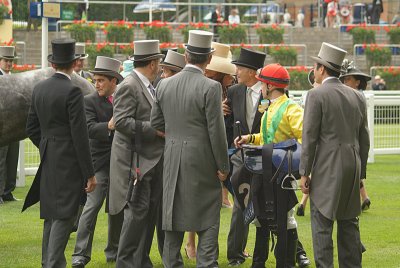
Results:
196 58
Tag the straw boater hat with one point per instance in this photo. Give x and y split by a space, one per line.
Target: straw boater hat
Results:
330 56
200 42
7 52
108 66
80 51
174 61
63 51
250 59
348 69
221 62
146 50
127 67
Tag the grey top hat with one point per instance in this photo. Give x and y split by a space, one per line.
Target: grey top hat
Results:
330 56
146 50
107 66
200 42
80 50
174 61
349 69
7 52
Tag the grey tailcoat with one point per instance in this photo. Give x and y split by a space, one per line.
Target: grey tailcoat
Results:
335 148
188 107
132 102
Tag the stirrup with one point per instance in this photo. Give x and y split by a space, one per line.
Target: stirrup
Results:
292 179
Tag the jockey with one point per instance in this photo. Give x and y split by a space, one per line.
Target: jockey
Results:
282 120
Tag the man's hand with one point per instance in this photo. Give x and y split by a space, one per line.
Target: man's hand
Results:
91 184
244 140
160 134
305 184
225 107
222 176
111 124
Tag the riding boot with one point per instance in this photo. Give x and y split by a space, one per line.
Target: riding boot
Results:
261 247
291 248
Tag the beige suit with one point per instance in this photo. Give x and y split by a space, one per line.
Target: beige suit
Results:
335 151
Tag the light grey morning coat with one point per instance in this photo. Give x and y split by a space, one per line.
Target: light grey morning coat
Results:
335 148
188 106
132 102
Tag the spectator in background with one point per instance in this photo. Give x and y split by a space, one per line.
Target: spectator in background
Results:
216 17
379 83
234 17
10 152
377 9
32 21
127 68
82 10
332 13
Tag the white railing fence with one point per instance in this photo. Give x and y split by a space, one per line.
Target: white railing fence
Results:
383 121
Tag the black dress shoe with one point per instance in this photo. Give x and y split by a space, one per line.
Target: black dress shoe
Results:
109 260
9 197
300 210
366 204
302 260
78 264
234 263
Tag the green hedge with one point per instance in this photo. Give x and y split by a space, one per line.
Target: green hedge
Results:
284 55
82 32
298 78
99 50
362 35
378 56
270 35
232 34
119 32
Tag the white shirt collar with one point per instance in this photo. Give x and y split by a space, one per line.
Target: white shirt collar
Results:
67 75
328 78
143 78
4 72
195 66
256 87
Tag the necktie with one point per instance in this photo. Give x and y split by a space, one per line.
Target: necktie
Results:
110 99
249 108
153 92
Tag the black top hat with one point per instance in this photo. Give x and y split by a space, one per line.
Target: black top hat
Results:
250 59
63 51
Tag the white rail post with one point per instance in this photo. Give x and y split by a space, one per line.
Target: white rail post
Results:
21 165
370 116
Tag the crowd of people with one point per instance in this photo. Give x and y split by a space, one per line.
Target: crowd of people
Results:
153 143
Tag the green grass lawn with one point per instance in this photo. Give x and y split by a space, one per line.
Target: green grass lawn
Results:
21 234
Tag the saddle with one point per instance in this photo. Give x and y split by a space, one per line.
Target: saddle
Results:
285 159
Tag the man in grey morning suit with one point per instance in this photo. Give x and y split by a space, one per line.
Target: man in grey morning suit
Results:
188 108
335 151
9 153
99 118
132 106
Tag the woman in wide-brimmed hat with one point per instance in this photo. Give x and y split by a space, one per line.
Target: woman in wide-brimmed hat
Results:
354 78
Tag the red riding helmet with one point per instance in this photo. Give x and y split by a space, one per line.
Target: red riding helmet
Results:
274 74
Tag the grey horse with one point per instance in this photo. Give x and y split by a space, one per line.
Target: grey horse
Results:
15 100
